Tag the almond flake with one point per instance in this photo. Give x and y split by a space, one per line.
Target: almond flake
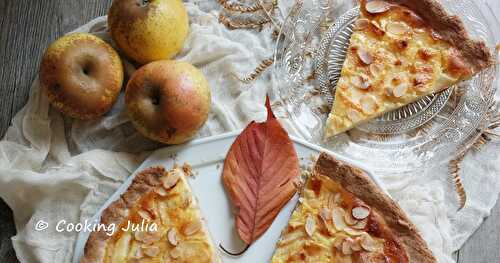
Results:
400 90
362 23
397 28
338 218
144 215
138 253
349 219
388 91
356 246
377 26
360 212
364 56
375 69
160 191
170 180
172 237
151 251
147 237
337 243
361 224
191 228
377 6
325 214
368 243
353 232
310 225
360 81
368 104
354 115
346 246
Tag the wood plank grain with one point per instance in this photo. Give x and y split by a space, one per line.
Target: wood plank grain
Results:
484 244
28 27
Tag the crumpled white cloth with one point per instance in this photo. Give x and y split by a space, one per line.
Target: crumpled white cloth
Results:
53 168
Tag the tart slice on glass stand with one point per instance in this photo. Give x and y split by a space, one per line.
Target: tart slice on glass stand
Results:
401 51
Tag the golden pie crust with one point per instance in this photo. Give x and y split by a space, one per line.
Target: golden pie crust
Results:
343 216
399 52
165 199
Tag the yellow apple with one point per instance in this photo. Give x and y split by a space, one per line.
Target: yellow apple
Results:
168 101
148 30
82 75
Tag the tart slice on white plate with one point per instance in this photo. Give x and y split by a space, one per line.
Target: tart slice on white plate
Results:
399 52
343 216
157 220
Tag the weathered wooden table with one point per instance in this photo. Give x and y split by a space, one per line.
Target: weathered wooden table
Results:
27 28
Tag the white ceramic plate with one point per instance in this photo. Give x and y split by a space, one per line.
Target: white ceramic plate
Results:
206 156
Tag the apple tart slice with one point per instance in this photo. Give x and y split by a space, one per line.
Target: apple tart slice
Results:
157 220
342 216
401 51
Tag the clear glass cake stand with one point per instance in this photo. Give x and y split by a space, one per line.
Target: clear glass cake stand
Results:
309 54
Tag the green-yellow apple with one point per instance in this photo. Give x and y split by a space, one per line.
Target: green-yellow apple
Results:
168 101
148 30
82 75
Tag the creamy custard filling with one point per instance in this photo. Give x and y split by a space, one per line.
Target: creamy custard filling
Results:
393 59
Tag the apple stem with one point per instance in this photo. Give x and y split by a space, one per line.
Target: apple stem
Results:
232 253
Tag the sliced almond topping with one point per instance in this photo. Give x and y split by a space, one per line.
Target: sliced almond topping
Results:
356 246
353 232
337 243
310 225
349 219
170 180
388 90
375 69
191 228
377 6
361 224
377 26
172 237
151 251
397 28
160 191
364 56
362 23
422 78
400 90
368 103
354 115
325 214
144 215
147 237
347 246
368 243
138 253
360 212
338 218
360 81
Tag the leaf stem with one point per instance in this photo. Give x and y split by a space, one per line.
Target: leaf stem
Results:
232 253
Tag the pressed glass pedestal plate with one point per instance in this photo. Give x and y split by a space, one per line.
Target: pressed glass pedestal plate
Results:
312 45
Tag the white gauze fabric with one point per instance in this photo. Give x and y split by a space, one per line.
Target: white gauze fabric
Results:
53 168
